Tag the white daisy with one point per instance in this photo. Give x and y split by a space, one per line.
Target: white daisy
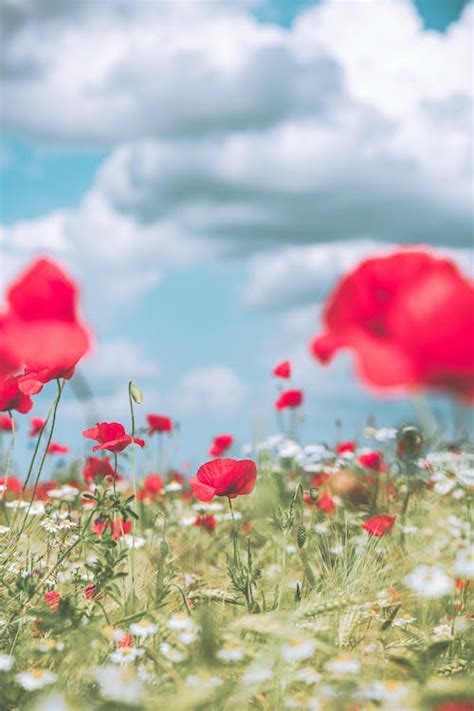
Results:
464 563
34 679
119 684
126 655
6 662
343 665
297 650
429 581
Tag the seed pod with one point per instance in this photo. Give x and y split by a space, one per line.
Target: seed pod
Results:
164 549
301 536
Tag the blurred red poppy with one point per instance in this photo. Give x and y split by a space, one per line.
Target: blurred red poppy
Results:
282 370
220 444
120 527
409 319
11 397
90 590
43 488
37 424
11 483
319 480
111 436
343 447
371 460
207 522
224 477
6 423
326 503
97 468
289 398
42 322
56 448
153 484
159 423
378 525
10 357
52 599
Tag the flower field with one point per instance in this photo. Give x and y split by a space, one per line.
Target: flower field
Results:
284 575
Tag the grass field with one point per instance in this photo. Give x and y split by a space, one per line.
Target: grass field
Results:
121 592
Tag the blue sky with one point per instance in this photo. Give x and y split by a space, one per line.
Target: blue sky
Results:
208 193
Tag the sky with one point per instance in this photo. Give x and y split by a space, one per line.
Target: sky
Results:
207 171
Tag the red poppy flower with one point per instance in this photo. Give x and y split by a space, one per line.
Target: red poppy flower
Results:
96 468
56 448
10 356
11 397
125 641
153 485
461 584
111 436
378 525
120 527
220 444
6 423
90 591
348 446
159 423
37 424
12 483
177 477
282 370
326 503
319 480
289 398
43 488
371 460
408 317
207 522
52 599
456 706
32 381
41 320
224 477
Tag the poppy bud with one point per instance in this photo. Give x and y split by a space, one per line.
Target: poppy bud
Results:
313 492
136 393
301 536
409 442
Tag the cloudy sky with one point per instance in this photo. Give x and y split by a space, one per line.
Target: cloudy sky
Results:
207 170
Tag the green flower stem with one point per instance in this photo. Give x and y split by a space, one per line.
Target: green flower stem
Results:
60 386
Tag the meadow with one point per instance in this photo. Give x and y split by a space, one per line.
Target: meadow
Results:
287 576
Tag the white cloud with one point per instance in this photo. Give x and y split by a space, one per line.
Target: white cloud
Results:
122 360
306 274
159 68
214 389
233 137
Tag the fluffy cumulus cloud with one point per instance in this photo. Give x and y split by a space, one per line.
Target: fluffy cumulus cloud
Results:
231 136
299 275
354 123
